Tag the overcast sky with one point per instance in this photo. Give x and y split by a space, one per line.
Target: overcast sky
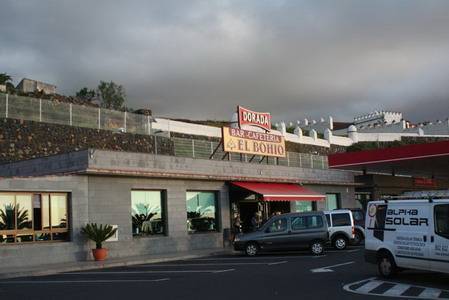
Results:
199 59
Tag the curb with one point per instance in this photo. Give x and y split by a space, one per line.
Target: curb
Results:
104 265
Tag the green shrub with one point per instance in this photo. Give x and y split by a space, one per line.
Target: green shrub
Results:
98 234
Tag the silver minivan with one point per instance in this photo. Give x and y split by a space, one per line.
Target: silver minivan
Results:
286 232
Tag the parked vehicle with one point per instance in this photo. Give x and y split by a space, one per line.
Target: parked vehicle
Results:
412 234
286 232
359 225
341 227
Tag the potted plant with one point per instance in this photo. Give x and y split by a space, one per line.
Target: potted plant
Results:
98 234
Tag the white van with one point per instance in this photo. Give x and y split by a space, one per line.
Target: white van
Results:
408 234
341 227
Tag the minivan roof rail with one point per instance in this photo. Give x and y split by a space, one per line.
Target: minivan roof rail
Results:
430 198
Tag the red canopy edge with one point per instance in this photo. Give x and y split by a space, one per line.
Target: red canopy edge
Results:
280 191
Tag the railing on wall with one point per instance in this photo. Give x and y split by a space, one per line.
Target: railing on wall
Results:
41 110
204 149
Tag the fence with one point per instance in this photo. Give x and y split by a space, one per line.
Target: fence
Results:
40 110
204 149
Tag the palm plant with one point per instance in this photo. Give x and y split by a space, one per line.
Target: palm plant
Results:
98 233
7 218
142 213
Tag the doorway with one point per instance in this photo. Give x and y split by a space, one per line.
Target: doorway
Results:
247 211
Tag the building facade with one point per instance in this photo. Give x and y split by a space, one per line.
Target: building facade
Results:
159 204
30 86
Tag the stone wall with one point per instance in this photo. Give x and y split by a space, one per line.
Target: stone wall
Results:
20 140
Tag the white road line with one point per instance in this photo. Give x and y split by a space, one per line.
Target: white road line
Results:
257 258
328 268
278 263
430 293
397 290
223 271
366 288
210 264
82 281
144 272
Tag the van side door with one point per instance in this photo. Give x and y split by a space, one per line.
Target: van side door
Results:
439 238
276 234
305 229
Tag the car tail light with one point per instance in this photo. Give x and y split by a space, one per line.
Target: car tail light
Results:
353 231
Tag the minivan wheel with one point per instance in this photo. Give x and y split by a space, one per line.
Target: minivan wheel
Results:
358 238
340 243
251 249
386 266
317 248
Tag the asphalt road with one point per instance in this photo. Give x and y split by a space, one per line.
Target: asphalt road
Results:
336 275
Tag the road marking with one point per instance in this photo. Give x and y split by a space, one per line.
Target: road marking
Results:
223 271
430 293
212 264
146 272
278 263
369 286
256 258
397 290
81 281
328 268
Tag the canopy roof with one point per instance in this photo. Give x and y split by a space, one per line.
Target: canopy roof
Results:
280 191
428 160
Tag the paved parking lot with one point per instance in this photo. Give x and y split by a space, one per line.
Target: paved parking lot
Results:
338 274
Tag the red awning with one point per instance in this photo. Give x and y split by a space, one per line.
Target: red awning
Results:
280 191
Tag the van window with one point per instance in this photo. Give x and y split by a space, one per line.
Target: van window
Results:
299 223
342 219
306 222
328 219
278 225
314 222
442 220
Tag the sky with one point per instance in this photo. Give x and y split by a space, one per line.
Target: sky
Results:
200 59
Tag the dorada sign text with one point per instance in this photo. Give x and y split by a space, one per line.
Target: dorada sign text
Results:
251 142
252 118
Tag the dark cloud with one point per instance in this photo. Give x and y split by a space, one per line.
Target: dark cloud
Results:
199 59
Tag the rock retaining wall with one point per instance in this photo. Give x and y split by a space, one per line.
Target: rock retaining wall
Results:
20 140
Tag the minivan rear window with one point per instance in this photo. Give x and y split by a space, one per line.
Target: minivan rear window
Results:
342 219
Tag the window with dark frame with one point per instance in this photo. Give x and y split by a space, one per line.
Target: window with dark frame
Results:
148 212
33 217
333 201
202 212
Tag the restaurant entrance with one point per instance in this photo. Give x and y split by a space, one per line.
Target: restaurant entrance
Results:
254 203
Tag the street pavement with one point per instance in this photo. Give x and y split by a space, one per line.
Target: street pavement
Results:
279 275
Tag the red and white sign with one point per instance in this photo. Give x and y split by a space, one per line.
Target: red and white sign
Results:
424 182
252 118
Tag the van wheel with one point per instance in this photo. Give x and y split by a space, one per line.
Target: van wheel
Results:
251 249
386 265
358 238
340 243
317 248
